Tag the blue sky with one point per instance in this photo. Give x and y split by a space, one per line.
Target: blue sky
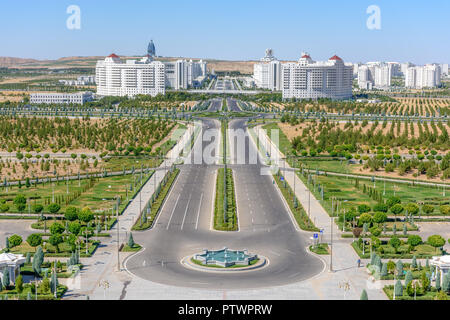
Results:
416 31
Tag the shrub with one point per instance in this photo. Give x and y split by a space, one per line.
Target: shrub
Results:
55 239
384 270
427 208
397 209
398 288
375 231
20 199
34 240
37 208
14 241
412 208
365 218
446 283
38 259
85 215
19 284
399 267
363 208
131 241
21 207
395 242
380 217
71 213
408 277
436 241
414 240
74 227
441 295
56 228
380 207
364 295
393 201
4 207
445 209
53 208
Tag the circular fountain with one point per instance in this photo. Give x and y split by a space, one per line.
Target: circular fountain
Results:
224 259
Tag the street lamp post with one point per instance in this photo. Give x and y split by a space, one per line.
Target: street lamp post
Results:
118 241
331 244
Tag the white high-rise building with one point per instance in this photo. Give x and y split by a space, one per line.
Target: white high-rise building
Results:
115 77
404 67
428 76
395 69
267 73
365 80
444 68
374 74
182 74
383 75
308 79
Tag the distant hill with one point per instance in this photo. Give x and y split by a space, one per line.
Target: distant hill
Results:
245 67
10 61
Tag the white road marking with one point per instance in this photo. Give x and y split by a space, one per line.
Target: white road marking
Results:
198 213
275 253
293 275
170 219
185 211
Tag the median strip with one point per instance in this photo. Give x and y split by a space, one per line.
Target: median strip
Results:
154 205
225 217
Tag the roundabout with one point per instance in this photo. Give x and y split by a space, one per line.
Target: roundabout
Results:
183 230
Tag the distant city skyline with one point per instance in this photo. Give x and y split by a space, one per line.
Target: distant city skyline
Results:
411 31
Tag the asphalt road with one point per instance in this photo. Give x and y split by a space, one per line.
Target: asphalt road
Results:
232 105
216 104
183 229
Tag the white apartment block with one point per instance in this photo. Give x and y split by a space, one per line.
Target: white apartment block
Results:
182 74
374 74
115 77
404 67
428 76
444 68
309 79
267 73
365 80
60 98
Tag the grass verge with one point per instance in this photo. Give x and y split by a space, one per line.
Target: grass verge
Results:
231 214
297 209
157 203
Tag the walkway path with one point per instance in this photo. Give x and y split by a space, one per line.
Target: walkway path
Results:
344 257
105 260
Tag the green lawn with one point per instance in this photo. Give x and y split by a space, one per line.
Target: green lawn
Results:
321 248
386 251
99 195
127 248
300 215
345 191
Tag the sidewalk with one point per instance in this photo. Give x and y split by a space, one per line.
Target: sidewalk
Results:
344 257
104 262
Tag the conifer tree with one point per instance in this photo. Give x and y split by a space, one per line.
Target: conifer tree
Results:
364 295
